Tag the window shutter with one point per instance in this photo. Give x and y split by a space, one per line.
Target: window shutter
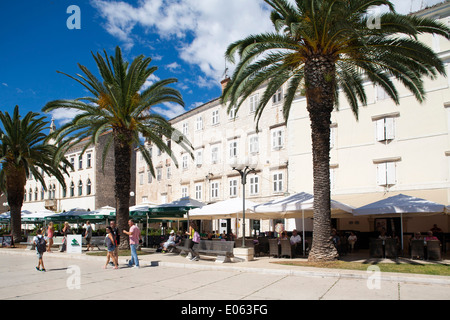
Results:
381 174
390 173
380 130
389 131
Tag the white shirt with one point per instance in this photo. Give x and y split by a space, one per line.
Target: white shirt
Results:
296 239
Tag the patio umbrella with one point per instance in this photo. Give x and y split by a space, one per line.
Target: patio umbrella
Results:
71 215
299 205
400 205
223 209
175 210
104 213
38 216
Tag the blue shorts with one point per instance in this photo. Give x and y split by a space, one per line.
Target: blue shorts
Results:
111 248
39 254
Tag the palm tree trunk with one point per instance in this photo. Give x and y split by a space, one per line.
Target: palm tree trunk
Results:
320 86
122 165
15 185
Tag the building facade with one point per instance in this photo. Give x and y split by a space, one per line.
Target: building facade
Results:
88 186
390 149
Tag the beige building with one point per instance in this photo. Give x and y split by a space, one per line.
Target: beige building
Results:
218 139
390 150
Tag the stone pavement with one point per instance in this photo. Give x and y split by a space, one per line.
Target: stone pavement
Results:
172 277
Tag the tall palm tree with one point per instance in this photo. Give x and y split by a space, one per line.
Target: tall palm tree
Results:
319 48
24 152
120 105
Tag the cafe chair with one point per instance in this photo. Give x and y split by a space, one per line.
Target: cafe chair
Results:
286 248
273 247
417 249
433 250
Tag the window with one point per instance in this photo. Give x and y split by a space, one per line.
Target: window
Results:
253 144
214 154
185 128
80 188
88 187
198 191
232 113
199 158
233 187
277 97
199 123
385 129
80 162
214 189
233 148
386 175
254 185
277 138
35 194
149 176
253 100
215 117
184 162
141 179
30 194
64 192
381 93
89 160
42 193
278 182
72 162
184 192
54 192
72 189
169 172
159 174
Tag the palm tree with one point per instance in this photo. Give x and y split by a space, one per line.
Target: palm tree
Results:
121 106
24 152
319 48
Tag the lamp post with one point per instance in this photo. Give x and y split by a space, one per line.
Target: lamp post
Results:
244 168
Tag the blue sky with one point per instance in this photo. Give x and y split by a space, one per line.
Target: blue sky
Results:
185 38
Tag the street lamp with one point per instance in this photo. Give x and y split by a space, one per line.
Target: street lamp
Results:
244 167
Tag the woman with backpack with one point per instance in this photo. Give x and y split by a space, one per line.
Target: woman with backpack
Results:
41 247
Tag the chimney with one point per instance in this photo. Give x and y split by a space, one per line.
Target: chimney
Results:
224 83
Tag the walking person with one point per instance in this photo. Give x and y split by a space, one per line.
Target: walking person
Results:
65 231
135 236
115 232
194 238
111 246
41 247
88 235
50 232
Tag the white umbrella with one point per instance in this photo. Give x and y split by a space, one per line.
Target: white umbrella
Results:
223 209
38 215
299 205
401 205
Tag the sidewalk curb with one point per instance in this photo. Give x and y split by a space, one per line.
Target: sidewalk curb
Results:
278 270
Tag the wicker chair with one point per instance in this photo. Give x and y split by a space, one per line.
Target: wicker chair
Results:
286 248
273 248
417 249
434 250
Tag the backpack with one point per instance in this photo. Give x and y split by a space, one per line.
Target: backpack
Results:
41 245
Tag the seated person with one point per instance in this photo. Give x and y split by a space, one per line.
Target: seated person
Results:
430 236
169 242
295 238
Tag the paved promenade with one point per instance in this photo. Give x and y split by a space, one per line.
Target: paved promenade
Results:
172 277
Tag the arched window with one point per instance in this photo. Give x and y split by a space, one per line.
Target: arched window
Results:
35 194
72 189
88 187
54 192
42 193
30 195
80 188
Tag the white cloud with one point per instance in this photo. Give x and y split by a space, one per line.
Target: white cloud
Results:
212 25
174 67
5 84
150 80
63 116
170 110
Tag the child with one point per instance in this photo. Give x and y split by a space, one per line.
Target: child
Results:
41 247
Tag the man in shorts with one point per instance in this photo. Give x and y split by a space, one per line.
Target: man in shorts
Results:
41 247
